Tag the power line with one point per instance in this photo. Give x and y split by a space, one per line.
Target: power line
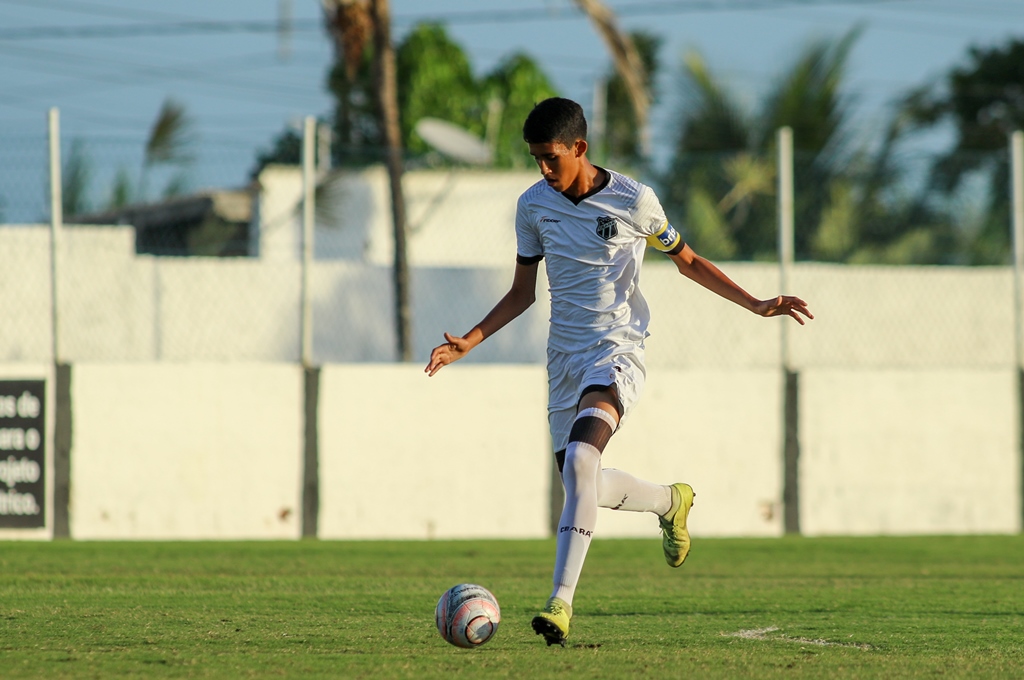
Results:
310 24
137 30
202 73
95 9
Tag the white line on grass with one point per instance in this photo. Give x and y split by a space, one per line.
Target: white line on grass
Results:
763 634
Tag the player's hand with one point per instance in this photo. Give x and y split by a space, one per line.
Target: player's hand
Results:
784 305
454 349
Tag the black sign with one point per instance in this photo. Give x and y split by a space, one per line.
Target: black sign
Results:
22 454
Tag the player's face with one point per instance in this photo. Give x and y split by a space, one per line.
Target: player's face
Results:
558 163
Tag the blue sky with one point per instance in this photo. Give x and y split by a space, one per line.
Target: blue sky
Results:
240 91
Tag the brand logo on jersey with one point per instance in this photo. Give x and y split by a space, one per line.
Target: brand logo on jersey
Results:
607 228
549 219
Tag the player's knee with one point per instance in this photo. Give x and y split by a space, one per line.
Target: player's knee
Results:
593 426
582 460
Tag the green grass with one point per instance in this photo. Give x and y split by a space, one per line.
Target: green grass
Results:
847 607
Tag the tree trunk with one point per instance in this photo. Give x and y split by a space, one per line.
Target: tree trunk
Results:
627 63
387 93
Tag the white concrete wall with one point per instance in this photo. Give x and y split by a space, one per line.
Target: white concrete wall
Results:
909 452
105 296
905 317
115 306
25 294
455 217
719 431
214 450
694 328
186 451
464 454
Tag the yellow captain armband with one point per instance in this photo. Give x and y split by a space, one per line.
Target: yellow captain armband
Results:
666 239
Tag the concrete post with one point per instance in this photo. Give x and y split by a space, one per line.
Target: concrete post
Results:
1017 193
791 394
56 227
308 221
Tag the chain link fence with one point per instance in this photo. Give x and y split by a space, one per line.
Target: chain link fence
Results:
24 182
197 261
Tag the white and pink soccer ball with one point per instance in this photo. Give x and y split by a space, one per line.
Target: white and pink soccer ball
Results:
467 615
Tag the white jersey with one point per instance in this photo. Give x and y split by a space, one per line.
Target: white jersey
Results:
593 250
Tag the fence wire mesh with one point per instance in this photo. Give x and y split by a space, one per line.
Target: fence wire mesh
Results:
198 261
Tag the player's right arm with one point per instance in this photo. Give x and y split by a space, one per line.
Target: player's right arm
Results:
517 300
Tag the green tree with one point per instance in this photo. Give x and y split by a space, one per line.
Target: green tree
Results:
435 80
622 136
512 89
122 192
357 137
983 100
723 178
714 128
77 174
170 142
286 149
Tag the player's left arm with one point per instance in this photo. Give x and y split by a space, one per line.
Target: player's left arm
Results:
702 271
661 235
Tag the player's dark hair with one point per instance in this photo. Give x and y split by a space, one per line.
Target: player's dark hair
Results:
555 120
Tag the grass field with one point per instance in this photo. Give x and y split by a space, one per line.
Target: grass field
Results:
864 607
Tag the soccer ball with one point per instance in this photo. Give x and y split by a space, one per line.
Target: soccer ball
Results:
467 615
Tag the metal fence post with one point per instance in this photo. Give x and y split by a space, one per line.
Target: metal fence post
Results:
310 373
785 140
1017 225
791 393
56 226
308 217
61 456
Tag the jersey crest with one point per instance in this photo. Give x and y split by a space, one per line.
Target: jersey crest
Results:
607 228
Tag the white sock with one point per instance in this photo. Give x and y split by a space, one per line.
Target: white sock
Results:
620 490
579 516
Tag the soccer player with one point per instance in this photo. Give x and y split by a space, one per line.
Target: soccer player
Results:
592 227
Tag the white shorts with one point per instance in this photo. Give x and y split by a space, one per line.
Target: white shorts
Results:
608 363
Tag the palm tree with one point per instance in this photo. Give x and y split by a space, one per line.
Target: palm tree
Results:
77 174
169 143
723 176
984 101
624 139
629 64
351 24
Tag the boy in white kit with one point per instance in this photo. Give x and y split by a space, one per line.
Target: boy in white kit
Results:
592 226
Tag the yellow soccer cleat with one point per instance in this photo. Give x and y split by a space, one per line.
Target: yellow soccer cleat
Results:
675 539
553 622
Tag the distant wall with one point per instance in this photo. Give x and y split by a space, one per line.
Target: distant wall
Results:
186 370
116 306
186 451
909 452
464 454
717 430
215 450
456 217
